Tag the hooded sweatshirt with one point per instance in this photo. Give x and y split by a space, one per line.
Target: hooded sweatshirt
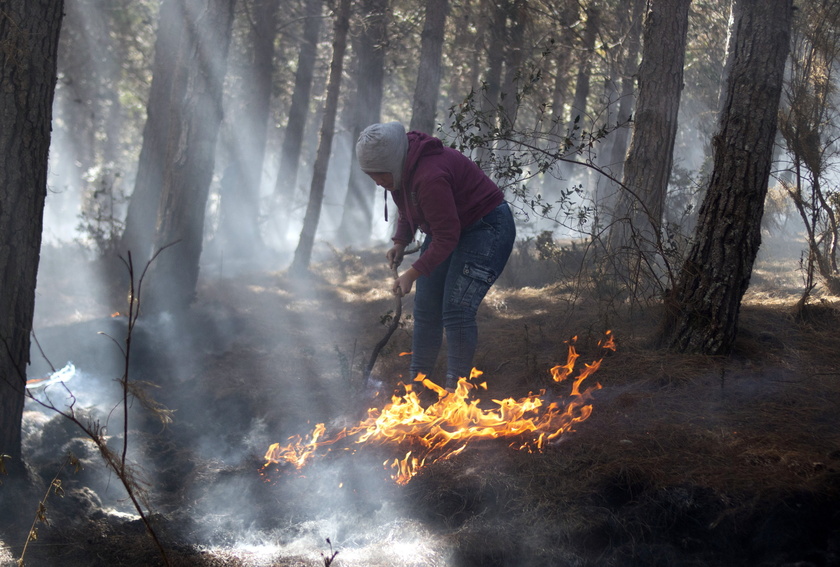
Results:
443 192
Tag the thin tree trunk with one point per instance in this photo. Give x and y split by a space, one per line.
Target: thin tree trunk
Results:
299 110
590 34
303 253
427 88
139 230
627 99
514 55
469 32
614 152
702 311
200 64
250 137
357 216
82 52
493 78
634 233
29 31
562 61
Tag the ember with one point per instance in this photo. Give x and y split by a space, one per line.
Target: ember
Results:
445 427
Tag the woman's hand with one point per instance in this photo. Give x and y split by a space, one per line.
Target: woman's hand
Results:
395 255
404 282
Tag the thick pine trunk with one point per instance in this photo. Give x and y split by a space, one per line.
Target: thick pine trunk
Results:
29 31
702 311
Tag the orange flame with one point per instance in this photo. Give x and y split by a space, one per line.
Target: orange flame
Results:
444 428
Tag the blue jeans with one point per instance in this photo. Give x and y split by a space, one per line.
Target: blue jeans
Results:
448 299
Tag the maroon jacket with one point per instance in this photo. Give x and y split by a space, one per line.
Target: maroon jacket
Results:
443 192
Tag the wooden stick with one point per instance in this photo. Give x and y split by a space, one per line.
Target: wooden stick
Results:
395 321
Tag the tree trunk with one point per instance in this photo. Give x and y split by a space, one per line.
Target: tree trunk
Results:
497 35
634 233
514 55
299 109
562 60
139 230
590 35
241 208
357 216
469 30
303 253
189 153
427 88
82 50
29 31
627 100
621 102
702 311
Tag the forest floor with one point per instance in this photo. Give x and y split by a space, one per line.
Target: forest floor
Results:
684 460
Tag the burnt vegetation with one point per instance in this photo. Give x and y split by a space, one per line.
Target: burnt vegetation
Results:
685 460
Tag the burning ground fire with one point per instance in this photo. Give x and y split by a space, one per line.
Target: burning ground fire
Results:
445 427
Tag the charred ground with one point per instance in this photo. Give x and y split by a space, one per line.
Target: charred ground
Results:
685 460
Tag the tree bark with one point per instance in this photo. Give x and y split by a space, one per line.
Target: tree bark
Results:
303 252
497 35
29 31
83 52
139 230
514 55
299 109
627 100
357 216
621 101
189 154
566 19
240 208
427 88
636 222
590 35
702 311
469 32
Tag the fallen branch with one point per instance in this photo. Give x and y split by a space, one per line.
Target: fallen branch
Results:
395 322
